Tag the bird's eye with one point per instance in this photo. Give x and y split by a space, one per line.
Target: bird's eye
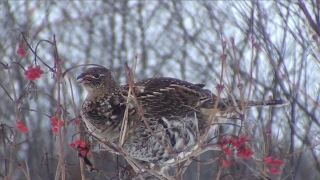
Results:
97 76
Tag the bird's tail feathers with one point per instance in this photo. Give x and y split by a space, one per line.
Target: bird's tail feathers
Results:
226 106
277 103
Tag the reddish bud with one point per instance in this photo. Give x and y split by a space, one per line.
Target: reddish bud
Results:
20 165
253 39
315 37
223 56
220 87
232 40
224 44
58 60
268 132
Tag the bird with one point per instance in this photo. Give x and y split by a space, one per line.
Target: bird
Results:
177 112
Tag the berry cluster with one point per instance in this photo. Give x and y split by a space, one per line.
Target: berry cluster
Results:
55 125
274 163
239 147
22 127
21 51
33 72
81 146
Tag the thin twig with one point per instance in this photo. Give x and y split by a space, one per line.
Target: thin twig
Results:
17 116
33 51
75 111
126 114
61 144
5 90
313 24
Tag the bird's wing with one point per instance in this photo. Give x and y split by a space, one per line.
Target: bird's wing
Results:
105 113
163 96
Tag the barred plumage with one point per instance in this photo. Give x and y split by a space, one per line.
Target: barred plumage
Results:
175 110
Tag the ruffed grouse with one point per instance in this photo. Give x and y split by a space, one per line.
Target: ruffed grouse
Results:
174 109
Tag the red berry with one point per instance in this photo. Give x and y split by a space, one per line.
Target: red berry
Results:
20 126
83 144
83 152
225 163
273 161
72 145
25 129
223 142
227 152
274 170
61 123
78 142
243 140
19 51
53 118
55 130
54 123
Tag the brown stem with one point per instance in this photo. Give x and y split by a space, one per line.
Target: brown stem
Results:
17 116
77 125
59 112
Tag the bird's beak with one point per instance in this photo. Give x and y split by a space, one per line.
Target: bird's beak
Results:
81 79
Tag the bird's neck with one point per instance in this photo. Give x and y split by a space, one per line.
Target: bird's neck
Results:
94 93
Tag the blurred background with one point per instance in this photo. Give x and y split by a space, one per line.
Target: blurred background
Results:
181 39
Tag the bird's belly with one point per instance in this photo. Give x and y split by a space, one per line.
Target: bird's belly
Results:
175 138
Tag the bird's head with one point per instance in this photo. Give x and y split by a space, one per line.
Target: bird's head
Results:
98 79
